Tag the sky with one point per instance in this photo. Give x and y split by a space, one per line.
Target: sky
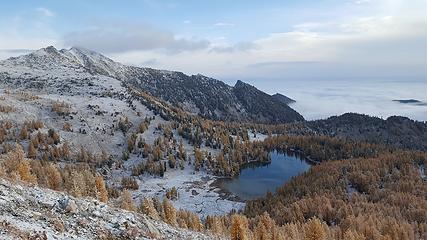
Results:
278 46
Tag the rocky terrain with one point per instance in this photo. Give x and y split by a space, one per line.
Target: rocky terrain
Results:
196 94
28 212
254 101
282 98
95 107
136 129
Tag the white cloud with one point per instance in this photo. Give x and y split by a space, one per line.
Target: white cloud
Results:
26 31
382 44
230 48
224 24
362 1
125 38
44 12
381 38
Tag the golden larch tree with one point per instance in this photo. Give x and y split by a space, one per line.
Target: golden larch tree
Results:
239 227
54 178
315 230
127 201
169 212
101 191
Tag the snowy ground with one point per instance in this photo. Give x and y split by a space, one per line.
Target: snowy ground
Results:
37 213
256 136
97 104
195 191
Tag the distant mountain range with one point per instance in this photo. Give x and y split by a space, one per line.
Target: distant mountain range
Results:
51 70
397 131
411 101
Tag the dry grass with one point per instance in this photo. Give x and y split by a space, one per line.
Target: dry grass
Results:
26 96
61 108
6 109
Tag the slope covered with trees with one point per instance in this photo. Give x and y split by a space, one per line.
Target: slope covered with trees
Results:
105 138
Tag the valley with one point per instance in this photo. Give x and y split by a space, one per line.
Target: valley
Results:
160 146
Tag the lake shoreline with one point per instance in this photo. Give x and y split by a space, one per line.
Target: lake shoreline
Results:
258 178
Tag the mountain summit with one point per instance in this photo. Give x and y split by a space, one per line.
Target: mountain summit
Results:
197 94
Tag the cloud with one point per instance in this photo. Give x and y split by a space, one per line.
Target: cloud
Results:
150 62
44 12
224 24
238 47
362 1
125 38
6 53
282 64
315 98
25 31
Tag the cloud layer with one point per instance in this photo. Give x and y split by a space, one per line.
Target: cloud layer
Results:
125 38
358 39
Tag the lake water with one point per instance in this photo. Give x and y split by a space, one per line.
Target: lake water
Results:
256 179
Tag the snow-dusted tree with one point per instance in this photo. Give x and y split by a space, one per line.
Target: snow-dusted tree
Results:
24 133
239 227
314 230
126 201
169 212
32 151
54 178
24 171
147 207
101 191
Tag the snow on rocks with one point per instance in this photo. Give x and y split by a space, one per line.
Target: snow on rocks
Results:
195 189
27 211
91 85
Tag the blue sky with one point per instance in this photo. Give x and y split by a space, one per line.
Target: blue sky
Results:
191 17
249 40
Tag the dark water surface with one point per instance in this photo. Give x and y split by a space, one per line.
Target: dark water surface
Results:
256 179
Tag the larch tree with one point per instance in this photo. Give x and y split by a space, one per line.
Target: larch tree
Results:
352 235
24 171
147 208
169 212
32 151
314 230
24 133
239 227
127 201
101 191
54 178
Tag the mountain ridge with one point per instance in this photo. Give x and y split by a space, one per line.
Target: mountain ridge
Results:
398 131
197 94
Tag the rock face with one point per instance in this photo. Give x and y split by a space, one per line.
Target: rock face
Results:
282 98
254 101
36 213
196 94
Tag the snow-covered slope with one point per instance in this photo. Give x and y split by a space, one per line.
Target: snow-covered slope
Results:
97 103
49 69
37 213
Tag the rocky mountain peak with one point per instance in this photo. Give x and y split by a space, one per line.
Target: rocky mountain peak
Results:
198 94
241 84
42 59
50 50
95 62
282 98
